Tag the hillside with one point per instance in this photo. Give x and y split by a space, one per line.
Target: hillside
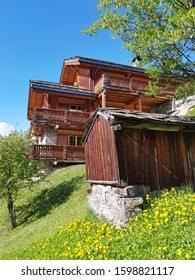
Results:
43 208
54 223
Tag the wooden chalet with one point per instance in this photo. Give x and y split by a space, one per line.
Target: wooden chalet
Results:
58 111
125 148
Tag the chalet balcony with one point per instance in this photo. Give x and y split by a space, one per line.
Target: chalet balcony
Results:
125 84
42 115
58 153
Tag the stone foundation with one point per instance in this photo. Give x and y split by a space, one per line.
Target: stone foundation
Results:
117 205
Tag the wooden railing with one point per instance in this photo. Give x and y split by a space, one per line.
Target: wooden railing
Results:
119 83
125 83
57 152
47 152
74 153
76 117
60 116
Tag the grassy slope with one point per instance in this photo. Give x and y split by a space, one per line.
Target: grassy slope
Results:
41 209
61 198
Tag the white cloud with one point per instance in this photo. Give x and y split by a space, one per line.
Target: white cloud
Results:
6 128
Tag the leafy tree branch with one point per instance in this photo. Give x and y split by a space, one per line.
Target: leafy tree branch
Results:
161 32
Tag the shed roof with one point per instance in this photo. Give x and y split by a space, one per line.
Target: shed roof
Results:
141 120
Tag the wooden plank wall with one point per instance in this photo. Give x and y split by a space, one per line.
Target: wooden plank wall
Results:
158 158
84 79
100 153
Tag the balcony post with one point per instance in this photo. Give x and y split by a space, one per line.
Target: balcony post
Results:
140 103
103 99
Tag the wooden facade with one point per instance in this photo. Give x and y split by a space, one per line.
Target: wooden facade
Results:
58 114
58 111
125 148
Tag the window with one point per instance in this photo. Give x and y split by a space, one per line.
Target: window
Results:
76 108
73 108
72 141
80 108
79 141
75 140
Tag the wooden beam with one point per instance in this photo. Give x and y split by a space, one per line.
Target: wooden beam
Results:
103 182
140 103
103 99
70 132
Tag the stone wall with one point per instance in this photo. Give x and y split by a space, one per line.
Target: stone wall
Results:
49 138
117 205
176 107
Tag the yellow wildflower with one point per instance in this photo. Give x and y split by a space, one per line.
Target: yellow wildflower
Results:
187 256
179 252
147 196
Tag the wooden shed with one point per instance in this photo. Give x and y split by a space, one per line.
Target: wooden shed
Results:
124 148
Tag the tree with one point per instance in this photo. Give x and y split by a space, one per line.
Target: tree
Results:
16 168
161 33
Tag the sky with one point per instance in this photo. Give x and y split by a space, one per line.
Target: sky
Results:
35 38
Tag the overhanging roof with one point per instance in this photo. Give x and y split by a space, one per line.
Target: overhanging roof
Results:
70 65
60 88
108 64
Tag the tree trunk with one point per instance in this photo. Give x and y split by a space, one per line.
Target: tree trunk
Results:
12 216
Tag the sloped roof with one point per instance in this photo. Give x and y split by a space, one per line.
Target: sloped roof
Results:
119 115
61 88
109 64
140 120
99 62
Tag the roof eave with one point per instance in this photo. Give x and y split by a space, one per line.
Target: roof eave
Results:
51 88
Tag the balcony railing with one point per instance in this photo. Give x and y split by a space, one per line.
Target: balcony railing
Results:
60 116
74 153
57 152
47 152
123 83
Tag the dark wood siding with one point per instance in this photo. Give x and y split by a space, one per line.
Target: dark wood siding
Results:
158 158
190 148
100 154
121 154
62 139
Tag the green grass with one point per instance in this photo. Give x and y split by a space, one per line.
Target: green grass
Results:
54 223
164 231
41 209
